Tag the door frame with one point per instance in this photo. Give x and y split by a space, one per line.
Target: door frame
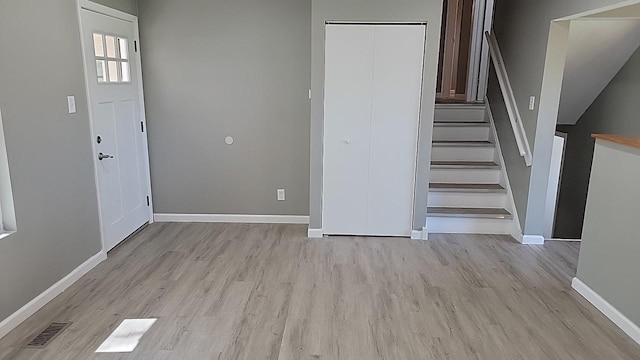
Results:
418 122
105 10
479 54
555 181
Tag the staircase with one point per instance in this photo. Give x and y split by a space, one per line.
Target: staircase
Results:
468 188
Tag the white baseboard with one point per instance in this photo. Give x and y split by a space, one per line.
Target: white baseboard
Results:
533 240
516 229
224 218
56 289
315 233
420 234
607 309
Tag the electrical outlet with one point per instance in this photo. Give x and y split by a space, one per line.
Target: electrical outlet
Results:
281 195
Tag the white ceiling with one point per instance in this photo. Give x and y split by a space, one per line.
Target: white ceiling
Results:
597 51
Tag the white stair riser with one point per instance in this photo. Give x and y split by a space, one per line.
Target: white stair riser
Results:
459 113
461 133
461 153
467 200
453 225
465 176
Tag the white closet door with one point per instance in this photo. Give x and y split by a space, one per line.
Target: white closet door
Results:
397 87
373 77
348 84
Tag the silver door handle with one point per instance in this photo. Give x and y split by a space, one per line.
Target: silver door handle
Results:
102 156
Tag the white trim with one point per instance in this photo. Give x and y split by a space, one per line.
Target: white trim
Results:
4 234
566 240
420 234
143 118
533 240
509 99
624 323
92 6
56 289
414 201
485 57
315 233
105 10
8 215
475 51
479 54
516 229
553 187
232 218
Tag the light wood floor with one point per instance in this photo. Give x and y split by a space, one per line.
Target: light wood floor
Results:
235 291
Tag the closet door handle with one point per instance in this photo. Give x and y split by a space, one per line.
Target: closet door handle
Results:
347 141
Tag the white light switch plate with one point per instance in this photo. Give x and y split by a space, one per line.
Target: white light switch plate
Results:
532 103
281 195
71 102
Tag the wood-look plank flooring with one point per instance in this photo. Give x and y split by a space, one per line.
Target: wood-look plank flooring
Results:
238 291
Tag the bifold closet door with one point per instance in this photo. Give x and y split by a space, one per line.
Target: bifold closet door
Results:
347 119
373 81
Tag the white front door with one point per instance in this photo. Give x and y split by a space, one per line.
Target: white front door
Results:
118 137
373 82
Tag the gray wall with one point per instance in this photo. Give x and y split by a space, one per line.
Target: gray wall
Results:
49 151
522 29
610 250
615 111
227 68
373 10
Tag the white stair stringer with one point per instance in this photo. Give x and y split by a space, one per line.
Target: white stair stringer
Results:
469 191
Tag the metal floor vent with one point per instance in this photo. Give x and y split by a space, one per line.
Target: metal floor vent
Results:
47 335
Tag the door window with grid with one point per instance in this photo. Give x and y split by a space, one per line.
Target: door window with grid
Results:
112 58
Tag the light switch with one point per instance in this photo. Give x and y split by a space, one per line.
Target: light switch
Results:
71 102
281 194
532 103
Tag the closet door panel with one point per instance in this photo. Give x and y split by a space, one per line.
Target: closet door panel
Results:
347 119
397 84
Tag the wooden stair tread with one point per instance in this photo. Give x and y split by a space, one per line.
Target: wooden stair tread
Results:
452 187
465 164
447 123
463 143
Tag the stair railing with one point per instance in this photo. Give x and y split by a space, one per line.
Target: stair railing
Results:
509 99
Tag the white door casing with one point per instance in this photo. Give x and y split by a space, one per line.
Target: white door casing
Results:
373 82
553 190
118 126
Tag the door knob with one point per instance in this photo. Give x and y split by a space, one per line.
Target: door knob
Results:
347 141
102 156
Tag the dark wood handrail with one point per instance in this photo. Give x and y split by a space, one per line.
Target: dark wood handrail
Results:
619 139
